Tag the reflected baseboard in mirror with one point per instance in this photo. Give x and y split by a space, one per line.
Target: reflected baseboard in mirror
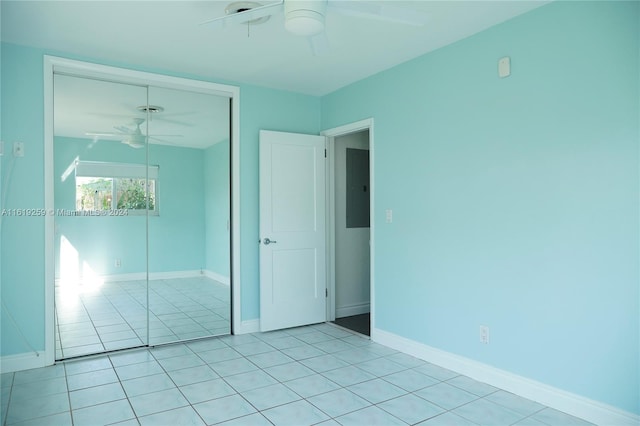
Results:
94 318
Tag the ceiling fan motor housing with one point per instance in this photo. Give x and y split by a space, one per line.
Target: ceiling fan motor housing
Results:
135 141
305 17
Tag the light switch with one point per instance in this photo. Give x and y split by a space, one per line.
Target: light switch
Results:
504 67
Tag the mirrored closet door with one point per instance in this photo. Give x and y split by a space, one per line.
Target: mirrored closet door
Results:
141 192
189 262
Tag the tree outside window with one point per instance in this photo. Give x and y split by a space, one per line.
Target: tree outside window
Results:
98 192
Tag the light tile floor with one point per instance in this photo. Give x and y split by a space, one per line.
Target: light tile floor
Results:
319 374
93 319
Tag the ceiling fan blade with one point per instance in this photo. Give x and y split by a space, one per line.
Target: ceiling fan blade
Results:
134 145
99 134
319 44
124 129
104 134
381 11
246 16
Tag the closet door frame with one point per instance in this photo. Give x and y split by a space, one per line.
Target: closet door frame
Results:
53 65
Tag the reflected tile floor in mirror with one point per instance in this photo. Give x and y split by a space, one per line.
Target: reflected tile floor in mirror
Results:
112 315
318 374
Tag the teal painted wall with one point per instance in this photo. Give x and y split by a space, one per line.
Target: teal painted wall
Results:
22 251
287 112
176 235
217 208
515 200
22 247
95 241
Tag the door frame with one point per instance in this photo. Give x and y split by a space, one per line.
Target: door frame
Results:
79 68
331 135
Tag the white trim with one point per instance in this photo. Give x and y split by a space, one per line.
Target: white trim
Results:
138 276
236 310
222 279
142 78
354 309
331 228
24 361
49 223
73 67
576 405
249 326
331 134
357 126
172 275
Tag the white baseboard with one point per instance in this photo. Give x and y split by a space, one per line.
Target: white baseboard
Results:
24 361
354 309
175 274
222 279
138 276
245 327
576 405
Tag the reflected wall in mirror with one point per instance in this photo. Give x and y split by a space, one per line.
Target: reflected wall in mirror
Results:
141 194
189 243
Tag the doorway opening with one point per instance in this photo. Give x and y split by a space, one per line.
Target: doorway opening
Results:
350 231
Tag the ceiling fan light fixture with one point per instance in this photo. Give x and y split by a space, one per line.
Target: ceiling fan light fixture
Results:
150 108
245 6
304 18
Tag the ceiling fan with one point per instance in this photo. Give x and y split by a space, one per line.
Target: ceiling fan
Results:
307 17
130 136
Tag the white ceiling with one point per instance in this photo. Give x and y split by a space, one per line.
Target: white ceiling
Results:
166 35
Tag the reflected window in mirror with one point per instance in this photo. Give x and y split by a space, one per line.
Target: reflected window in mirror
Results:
116 186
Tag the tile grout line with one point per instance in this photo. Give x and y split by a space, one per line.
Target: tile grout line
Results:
119 293
233 342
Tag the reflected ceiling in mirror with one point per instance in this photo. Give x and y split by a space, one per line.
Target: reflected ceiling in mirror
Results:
92 109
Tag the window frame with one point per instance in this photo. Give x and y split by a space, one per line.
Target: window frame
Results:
117 171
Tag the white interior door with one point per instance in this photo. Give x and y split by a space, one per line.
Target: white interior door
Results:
292 230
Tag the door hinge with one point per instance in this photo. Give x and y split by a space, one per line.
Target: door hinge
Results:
326 292
325 153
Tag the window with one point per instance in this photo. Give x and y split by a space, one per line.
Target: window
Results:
116 186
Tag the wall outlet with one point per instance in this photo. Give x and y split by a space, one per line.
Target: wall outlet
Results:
484 334
504 67
18 149
118 263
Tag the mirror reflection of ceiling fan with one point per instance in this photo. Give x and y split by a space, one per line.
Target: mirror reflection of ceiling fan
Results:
307 17
130 136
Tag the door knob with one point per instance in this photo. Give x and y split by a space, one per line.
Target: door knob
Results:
267 241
